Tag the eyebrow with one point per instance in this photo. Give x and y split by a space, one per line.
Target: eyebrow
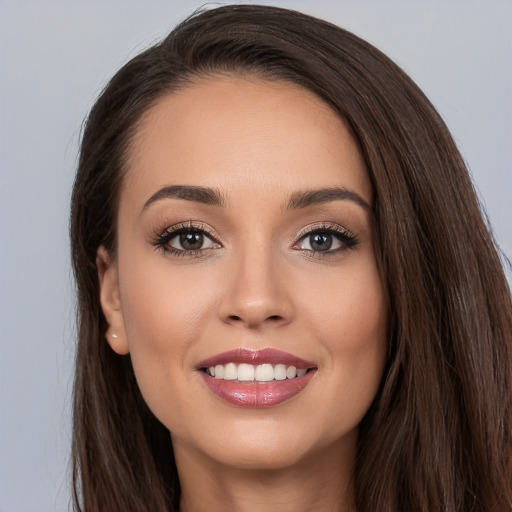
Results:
324 195
203 195
298 200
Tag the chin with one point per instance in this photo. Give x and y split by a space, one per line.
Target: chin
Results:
269 446
258 457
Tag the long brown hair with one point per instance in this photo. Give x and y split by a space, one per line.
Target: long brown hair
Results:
438 436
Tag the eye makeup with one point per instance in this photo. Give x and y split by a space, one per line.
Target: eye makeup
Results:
325 240
196 239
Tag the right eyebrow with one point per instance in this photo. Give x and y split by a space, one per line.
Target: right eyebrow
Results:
203 195
324 195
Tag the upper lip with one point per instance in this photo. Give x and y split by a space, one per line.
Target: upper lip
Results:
256 357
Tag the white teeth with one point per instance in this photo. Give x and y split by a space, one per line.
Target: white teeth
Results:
219 371
264 373
280 372
230 372
260 373
291 372
245 372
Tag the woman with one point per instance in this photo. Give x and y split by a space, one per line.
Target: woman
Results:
288 298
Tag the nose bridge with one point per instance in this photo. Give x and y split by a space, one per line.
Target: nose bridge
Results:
255 293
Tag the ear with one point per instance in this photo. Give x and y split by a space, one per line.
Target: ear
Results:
111 302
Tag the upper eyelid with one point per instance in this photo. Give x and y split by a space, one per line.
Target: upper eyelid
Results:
189 226
323 226
161 237
200 226
344 235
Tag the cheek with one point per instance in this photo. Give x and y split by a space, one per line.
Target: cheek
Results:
162 301
361 340
350 323
350 306
163 309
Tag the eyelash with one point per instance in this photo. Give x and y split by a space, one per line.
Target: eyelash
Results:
161 239
347 239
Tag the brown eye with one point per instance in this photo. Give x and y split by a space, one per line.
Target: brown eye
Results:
191 241
320 241
188 240
183 240
327 240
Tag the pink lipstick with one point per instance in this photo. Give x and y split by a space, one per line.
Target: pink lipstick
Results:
256 378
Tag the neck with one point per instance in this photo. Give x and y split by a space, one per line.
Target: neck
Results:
323 482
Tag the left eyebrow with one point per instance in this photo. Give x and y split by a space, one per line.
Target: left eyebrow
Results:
203 195
324 195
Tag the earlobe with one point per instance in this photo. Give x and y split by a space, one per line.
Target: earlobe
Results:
111 301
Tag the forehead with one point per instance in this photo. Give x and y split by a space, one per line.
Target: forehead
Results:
243 135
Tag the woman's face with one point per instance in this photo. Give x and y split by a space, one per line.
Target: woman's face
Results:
245 246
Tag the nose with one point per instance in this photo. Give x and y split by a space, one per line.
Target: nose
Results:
256 293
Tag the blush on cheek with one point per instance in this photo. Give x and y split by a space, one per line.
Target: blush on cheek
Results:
358 319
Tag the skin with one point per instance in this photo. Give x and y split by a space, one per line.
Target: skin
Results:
257 285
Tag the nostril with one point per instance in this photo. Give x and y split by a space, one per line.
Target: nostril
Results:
241 319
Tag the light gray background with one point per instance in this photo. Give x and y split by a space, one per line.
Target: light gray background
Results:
55 56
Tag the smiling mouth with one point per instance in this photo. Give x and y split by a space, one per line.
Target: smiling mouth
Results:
261 378
255 373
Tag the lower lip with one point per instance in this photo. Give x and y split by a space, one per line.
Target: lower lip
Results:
257 394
